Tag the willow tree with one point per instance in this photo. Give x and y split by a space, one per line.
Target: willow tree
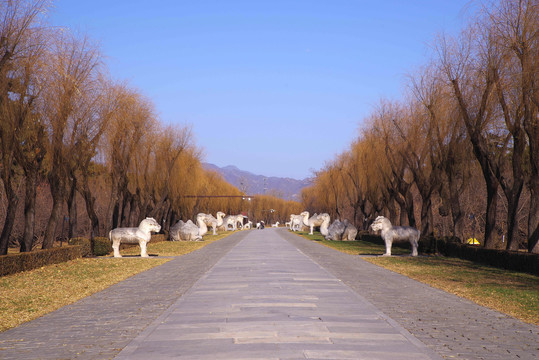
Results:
514 28
449 142
398 180
133 121
72 69
19 23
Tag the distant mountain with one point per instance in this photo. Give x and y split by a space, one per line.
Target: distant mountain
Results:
251 184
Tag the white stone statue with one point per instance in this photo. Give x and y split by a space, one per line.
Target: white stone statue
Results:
239 221
275 225
134 235
350 231
391 233
202 224
231 222
335 230
219 216
248 225
321 220
206 220
296 221
185 231
341 230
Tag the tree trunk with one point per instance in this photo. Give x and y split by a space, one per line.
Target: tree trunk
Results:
57 199
89 200
410 208
72 208
426 212
492 204
533 219
456 210
13 202
513 198
29 210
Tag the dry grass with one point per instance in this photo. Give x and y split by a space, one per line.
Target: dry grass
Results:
175 248
512 293
31 294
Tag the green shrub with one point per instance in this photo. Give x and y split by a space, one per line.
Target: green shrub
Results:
158 238
14 263
84 243
102 246
452 247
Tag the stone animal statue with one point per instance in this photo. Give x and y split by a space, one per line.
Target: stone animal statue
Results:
134 235
350 231
185 231
296 221
206 220
392 233
321 220
248 225
341 230
335 230
239 221
275 225
231 222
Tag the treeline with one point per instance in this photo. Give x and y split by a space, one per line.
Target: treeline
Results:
467 129
73 138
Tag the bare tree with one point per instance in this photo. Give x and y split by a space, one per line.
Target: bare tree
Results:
18 29
71 74
469 66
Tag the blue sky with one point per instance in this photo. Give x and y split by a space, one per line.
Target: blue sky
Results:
277 88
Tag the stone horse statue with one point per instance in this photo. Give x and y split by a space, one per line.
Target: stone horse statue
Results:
134 235
391 233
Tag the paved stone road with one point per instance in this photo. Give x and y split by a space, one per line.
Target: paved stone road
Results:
267 300
453 327
99 326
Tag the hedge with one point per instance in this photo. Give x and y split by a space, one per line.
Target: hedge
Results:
14 263
451 247
79 247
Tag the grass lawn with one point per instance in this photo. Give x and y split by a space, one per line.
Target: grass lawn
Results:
28 295
512 293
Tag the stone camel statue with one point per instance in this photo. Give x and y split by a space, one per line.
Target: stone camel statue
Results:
321 220
206 220
134 235
185 231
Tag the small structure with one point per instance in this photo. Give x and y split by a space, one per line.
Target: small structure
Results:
134 235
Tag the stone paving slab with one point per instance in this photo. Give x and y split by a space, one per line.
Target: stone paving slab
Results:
273 301
99 326
451 326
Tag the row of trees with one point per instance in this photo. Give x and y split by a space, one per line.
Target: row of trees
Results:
68 127
473 109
